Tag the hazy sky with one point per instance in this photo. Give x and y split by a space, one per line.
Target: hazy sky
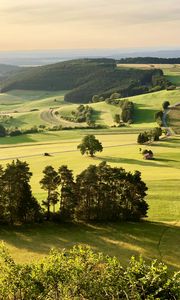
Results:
56 24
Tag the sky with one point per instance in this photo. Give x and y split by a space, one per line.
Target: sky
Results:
76 24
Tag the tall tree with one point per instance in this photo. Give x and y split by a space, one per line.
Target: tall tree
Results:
16 192
29 209
50 183
67 193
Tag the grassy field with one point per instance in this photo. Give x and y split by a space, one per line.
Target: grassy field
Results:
174 119
158 236
24 114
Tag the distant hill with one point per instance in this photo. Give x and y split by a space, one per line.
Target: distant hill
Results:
7 69
44 57
85 78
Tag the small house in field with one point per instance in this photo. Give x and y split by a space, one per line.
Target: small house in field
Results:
147 154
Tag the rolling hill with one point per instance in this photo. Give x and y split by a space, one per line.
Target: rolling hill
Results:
85 78
7 70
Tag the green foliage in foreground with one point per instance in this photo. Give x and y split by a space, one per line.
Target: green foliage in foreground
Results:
82 274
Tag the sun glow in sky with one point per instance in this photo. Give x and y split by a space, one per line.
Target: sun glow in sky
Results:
62 24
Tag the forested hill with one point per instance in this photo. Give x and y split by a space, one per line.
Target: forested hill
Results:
85 78
148 60
6 70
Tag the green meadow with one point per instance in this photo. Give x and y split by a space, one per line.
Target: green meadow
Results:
26 109
158 236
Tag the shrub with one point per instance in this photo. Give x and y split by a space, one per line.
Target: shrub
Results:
80 273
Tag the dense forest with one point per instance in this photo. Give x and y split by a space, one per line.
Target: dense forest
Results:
148 60
85 78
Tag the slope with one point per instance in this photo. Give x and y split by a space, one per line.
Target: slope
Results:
85 78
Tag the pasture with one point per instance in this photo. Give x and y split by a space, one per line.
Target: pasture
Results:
157 238
174 118
26 109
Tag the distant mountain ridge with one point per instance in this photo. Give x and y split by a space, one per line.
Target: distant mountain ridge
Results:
34 58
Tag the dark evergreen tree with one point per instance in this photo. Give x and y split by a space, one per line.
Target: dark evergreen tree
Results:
67 193
28 209
50 183
165 104
19 204
87 189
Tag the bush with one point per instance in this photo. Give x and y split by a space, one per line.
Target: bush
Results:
80 273
2 131
15 132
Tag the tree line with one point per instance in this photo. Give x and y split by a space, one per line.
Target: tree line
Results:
149 60
99 193
83 113
149 135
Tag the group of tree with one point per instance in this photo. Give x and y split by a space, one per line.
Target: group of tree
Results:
110 100
81 273
127 111
83 113
149 136
16 131
99 193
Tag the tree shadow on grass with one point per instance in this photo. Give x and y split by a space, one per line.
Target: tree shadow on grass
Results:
144 115
14 140
125 160
115 239
97 116
168 143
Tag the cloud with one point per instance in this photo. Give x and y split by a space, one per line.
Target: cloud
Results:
99 12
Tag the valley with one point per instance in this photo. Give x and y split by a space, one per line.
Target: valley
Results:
155 237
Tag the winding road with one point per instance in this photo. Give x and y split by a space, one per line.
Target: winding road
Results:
164 118
50 117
